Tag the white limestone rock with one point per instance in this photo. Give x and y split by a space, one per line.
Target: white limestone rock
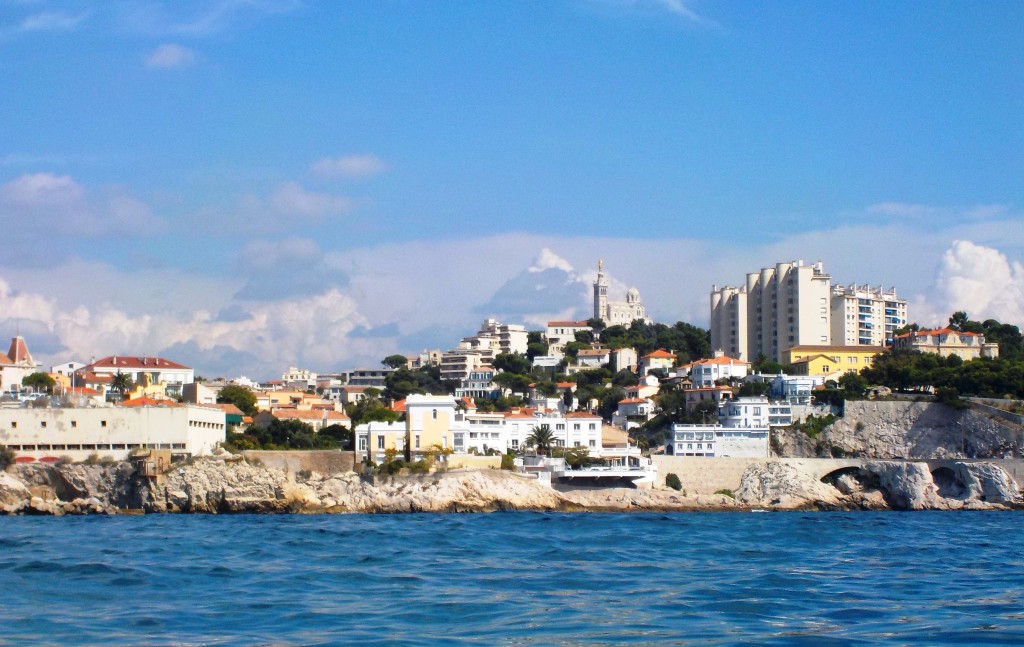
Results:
783 486
989 483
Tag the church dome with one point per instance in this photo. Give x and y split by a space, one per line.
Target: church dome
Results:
633 296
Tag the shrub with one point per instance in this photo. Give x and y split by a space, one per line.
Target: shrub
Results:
419 467
6 457
726 492
508 460
672 481
93 459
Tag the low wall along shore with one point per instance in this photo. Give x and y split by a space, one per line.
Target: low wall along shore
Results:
701 475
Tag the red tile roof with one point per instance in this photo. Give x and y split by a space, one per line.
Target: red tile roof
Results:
130 362
568 324
146 401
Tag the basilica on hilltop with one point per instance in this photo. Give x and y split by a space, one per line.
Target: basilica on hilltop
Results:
616 313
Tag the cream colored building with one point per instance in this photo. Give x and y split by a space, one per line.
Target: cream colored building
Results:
778 307
49 434
945 342
866 316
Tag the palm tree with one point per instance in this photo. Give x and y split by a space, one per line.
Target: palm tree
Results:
542 438
122 384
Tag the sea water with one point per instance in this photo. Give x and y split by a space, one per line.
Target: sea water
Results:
514 579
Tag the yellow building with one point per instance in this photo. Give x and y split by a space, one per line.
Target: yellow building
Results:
830 360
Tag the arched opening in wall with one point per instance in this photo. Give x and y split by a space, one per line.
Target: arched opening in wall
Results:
946 481
851 480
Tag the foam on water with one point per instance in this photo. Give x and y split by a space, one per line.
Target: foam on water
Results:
514 578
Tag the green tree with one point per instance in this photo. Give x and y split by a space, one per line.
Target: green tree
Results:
239 396
340 434
542 438
122 383
370 409
395 361
512 363
513 382
39 382
853 382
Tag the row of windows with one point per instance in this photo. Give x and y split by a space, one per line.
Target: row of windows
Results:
96 446
42 424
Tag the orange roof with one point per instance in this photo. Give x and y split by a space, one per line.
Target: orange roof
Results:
581 414
594 351
146 401
82 390
938 331
398 406
720 360
569 324
632 401
227 408
660 353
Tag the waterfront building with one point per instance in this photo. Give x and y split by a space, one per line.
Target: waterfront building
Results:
776 309
616 313
50 434
479 384
316 418
866 316
371 377
945 342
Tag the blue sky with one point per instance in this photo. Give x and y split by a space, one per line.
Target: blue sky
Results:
250 185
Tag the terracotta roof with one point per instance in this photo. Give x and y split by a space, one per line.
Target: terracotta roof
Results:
82 390
146 401
18 352
300 414
398 406
568 324
938 331
720 360
228 408
660 353
594 351
143 363
582 414
632 401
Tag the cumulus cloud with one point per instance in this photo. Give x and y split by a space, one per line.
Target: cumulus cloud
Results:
349 166
52 21
170 55
547 260
292 199
278 269
979 280
48 205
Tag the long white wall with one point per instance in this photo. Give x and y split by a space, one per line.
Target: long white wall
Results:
77 433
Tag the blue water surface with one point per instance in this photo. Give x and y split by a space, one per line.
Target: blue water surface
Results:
514 579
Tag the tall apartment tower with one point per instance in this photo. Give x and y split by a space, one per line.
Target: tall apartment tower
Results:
778 308
866 316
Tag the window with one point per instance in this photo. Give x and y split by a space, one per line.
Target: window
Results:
417 441
576 426
434 414
593 443
43 424
14 424
380 442
362 444
103 423
74 424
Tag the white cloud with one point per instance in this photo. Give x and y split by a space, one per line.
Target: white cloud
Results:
902 209
47 205
547 259
680 8
351 166
292 199
979 280
52 21
170 55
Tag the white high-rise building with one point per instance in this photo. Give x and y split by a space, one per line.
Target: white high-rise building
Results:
866 316
778 308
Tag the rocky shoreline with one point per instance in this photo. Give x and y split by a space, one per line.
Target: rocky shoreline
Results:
218 486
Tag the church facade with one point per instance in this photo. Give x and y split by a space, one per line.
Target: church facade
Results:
616 313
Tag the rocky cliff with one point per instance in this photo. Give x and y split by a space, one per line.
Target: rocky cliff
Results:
228 486
905 430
